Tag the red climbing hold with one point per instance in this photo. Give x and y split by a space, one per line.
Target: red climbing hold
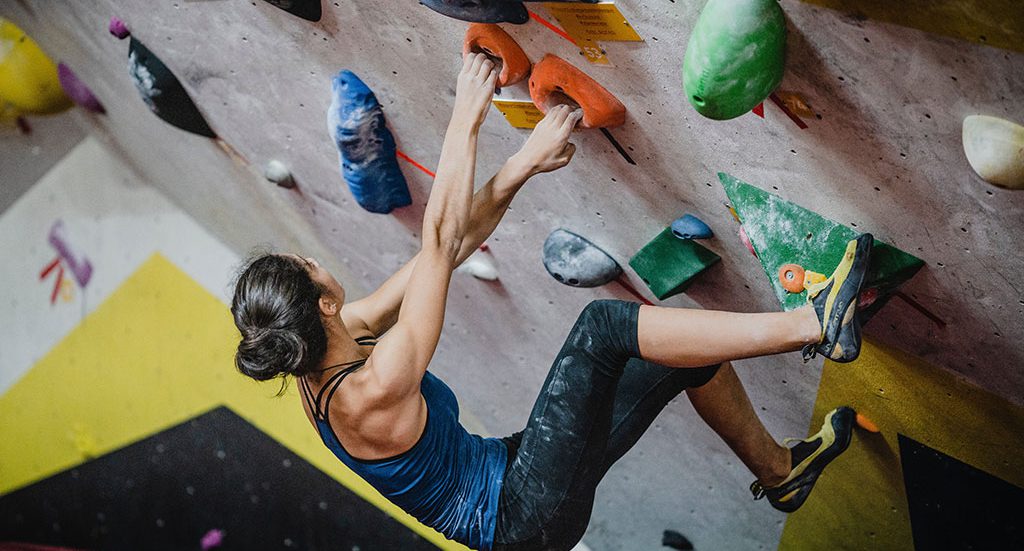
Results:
554 81
496 43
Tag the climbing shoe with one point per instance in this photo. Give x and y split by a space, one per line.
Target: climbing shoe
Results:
835 302
809 458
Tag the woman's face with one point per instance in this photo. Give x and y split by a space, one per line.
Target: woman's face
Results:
322 277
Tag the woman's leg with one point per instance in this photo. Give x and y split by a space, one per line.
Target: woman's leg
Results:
547 493
643 392
725 407
828 324
679 337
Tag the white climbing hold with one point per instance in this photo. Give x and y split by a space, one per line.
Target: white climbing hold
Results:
995 149
278 172
480 266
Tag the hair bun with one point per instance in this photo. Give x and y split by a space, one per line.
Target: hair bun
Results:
265 353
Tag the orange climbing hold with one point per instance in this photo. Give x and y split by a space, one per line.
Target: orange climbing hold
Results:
791 276
866 424
555 81
496 43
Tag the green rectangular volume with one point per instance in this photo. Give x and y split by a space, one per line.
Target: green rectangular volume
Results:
668 264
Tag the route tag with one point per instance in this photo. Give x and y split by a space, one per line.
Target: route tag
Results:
593 22
593 51
519 113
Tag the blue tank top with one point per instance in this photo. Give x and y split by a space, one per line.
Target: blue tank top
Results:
449 480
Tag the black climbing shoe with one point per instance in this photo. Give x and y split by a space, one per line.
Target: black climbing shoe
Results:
809 456
835 302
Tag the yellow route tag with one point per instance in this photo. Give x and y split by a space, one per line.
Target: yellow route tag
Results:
593 52
795 102
519 113
602 21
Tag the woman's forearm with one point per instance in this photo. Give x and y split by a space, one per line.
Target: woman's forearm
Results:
447 215
490 203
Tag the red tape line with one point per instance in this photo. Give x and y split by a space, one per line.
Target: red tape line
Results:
632 290
56 285
551 27
49 268
414 163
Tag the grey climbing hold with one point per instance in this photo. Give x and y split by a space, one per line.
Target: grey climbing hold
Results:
689 226
573 260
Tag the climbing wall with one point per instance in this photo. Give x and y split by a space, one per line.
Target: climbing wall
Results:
878 149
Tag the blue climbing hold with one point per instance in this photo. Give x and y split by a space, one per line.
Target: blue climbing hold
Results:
573 260
690 227
356 122
481 11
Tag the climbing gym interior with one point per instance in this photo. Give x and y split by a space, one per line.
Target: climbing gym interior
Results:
726 153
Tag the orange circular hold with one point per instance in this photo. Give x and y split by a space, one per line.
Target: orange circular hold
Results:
791 276
496 43
866 424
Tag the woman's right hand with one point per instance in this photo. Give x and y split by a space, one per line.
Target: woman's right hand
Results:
548 147
474 89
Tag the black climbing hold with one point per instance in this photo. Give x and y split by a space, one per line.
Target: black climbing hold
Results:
675 540
162 92
481 11
307 9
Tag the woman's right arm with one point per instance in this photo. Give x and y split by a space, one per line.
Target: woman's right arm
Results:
548 148
401 357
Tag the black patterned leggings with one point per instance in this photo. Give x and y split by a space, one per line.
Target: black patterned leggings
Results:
597 401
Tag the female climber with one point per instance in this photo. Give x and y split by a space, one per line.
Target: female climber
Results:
361 366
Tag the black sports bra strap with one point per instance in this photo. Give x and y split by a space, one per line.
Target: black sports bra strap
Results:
336 383
332 384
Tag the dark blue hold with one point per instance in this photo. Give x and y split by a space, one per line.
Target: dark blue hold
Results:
356 122
573 260
307 9
690 227
481 11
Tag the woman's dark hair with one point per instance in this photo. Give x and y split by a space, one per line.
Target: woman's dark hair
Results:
276 308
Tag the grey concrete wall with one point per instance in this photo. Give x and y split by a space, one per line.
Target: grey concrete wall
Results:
885 155
24 158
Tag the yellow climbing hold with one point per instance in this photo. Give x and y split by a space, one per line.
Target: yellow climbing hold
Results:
28 78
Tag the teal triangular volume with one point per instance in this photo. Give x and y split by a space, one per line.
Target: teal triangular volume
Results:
784 233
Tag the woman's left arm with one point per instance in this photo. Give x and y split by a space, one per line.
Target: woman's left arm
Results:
547 149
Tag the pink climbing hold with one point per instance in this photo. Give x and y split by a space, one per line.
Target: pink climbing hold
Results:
118 28
77 90
213 538
867 297
746 241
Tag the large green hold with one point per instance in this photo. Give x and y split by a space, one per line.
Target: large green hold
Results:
735 56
